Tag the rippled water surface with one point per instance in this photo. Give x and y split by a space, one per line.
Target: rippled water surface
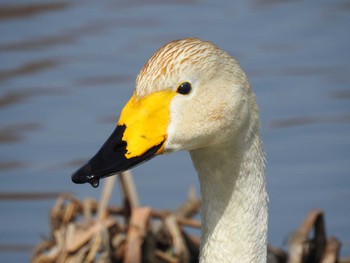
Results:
68 67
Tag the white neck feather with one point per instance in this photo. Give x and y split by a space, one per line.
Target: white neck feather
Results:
234 202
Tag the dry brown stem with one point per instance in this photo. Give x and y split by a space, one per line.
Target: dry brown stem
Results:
96 232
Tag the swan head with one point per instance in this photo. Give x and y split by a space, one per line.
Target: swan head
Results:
189 95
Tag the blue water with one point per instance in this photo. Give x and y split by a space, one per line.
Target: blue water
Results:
67 70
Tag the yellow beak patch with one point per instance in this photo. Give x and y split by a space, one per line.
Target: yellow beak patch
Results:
146 120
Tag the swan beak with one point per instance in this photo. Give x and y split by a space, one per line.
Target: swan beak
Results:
140 135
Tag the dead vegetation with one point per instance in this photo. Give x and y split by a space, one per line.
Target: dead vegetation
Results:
90 231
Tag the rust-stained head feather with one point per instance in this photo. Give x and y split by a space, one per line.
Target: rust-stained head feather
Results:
173 62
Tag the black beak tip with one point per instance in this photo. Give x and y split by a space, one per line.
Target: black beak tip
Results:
111 159
77 178
84 175
106 158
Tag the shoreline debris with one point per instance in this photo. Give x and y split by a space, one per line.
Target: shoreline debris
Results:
95 232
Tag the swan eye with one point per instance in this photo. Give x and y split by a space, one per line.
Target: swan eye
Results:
184 88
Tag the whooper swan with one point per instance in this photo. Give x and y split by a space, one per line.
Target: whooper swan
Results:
193 96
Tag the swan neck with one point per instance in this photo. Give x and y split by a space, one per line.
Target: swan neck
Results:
234 202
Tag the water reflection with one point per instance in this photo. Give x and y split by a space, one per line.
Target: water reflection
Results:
13 248
306 120
105 80
71 36
15 133
34 44
325 71
28 68
10 165
13 97
27 10
340 94
21 196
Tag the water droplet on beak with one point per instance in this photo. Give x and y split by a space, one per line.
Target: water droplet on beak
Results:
95 182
